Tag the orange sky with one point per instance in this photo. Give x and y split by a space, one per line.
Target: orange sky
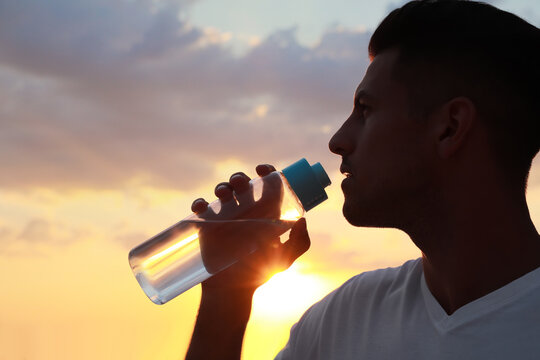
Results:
71 294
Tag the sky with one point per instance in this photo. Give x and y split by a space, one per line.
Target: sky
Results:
115 115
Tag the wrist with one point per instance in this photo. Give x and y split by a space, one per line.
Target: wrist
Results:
232 306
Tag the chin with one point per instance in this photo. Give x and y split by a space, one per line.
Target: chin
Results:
363 217
352 215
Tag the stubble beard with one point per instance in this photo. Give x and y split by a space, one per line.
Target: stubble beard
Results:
376 211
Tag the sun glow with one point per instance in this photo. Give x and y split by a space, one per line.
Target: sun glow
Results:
288 293
291 214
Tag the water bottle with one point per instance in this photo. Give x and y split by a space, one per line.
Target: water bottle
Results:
204 244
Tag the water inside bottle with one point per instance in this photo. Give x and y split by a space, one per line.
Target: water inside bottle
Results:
203 244
193 250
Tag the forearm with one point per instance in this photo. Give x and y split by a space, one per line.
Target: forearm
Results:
220 326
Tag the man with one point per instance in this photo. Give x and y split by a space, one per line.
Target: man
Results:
444 128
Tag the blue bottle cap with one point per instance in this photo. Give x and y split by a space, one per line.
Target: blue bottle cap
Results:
308 182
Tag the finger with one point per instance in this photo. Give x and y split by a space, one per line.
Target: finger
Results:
239 182
199 205
271 256
224 191
264 169
297 244
272 192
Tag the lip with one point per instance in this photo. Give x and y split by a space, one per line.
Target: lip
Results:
345 171
346 184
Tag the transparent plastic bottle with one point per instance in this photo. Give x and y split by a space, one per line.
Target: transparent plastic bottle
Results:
202 245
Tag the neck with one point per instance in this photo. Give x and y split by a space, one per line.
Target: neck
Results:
467 255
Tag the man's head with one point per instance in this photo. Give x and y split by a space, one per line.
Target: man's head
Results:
464 48
457 55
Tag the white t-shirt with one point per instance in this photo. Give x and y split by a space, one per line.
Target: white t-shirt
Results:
391 314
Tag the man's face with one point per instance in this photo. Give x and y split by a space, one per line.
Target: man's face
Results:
385 152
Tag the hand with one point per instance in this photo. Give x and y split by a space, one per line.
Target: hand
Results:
271 255
226 297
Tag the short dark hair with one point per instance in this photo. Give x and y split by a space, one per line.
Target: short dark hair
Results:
450 48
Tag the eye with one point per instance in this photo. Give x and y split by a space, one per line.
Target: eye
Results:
362 109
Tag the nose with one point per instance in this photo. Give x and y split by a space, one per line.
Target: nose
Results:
340 143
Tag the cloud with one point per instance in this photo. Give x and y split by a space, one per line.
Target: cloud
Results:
37 236
98 93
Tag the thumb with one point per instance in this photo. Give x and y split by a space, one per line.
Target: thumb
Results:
297 244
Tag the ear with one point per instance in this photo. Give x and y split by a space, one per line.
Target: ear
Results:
454 122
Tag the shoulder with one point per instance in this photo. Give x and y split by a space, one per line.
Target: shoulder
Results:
348 307
368 289
369 286
380 282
